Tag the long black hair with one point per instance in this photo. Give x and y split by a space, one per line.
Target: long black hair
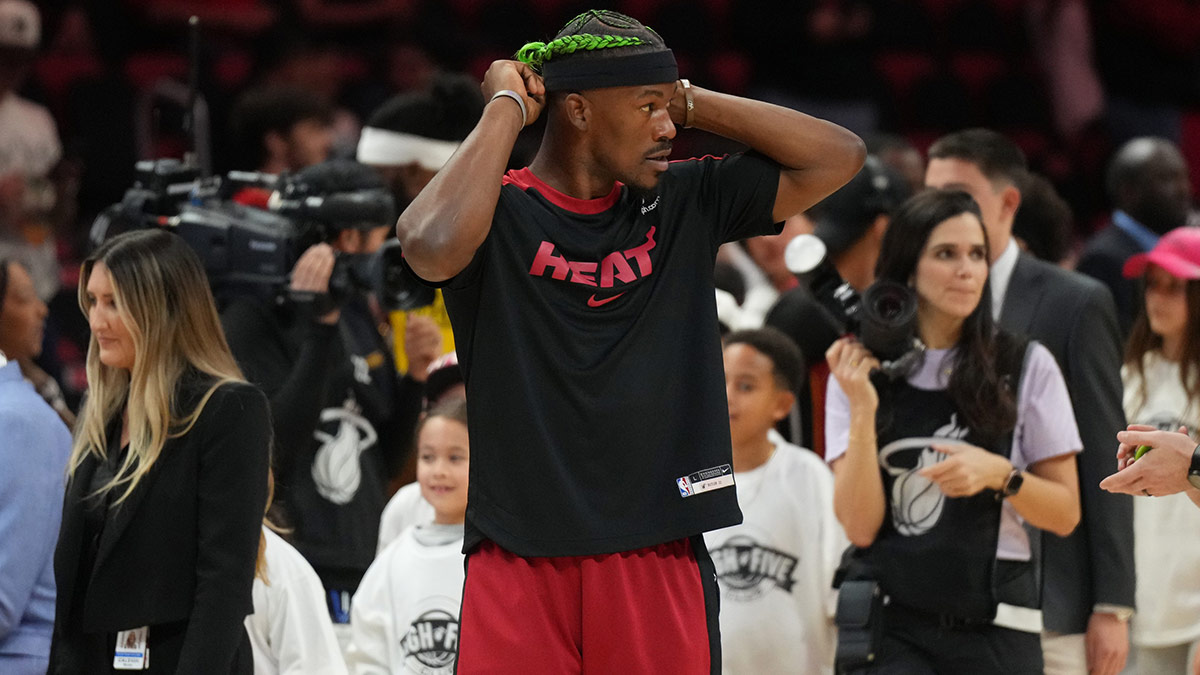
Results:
978 384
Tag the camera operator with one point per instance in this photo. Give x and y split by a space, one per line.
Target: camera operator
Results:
341 412
935 472
851 223
406 141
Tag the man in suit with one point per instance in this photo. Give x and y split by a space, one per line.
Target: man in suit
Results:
1151 194
1088 578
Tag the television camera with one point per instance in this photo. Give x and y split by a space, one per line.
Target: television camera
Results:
249 229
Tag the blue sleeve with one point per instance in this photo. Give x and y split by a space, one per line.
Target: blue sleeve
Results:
33 455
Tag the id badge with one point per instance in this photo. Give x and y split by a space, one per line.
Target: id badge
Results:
132 653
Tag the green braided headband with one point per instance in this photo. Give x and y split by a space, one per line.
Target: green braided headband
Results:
537 53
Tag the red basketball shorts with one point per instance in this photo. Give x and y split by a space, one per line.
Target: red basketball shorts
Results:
653 611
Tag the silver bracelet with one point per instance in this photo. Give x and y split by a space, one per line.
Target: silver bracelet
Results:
516 97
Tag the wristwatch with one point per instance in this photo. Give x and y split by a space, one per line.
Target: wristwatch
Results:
1194 469
1012 484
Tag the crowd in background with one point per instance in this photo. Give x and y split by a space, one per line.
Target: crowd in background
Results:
1102 98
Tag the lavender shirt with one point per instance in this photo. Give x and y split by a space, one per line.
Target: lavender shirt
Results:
1045 426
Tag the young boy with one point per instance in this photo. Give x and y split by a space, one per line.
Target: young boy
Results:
775 570
404 617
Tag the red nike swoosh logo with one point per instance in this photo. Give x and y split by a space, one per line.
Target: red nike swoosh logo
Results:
593 302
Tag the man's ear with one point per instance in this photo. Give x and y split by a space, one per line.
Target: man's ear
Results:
1010 201
578 111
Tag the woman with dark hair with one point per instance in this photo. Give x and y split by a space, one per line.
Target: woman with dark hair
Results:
935 471
1162 391
167 480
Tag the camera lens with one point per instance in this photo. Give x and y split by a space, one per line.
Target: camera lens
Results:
889 301
889 319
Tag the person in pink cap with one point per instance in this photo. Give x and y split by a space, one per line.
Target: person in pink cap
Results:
1161 375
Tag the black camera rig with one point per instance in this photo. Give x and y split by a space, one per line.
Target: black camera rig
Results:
249 229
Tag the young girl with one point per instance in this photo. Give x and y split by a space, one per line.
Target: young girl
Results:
1162 362
404 617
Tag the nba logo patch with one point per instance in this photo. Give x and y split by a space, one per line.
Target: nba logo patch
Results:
685 486
702 481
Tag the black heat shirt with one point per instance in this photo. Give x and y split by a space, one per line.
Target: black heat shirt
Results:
587 334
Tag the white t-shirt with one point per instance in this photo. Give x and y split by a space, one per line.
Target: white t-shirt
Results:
1045 427
775 570
28 138
290 630
404 617
406 508
1166 545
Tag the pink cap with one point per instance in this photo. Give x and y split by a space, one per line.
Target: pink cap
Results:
1178 252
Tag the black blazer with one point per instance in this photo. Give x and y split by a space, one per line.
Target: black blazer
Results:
1073 316
180 552
1103 259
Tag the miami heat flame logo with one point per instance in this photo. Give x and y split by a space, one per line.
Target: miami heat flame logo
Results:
917 502
336 469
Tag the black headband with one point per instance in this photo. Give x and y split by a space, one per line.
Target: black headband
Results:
574 74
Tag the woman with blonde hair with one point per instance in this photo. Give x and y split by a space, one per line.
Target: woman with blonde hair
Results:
168 475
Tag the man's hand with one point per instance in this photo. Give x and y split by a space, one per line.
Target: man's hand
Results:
311 275
1107 642
422 345
1161 471
518 77
1126 453
967 470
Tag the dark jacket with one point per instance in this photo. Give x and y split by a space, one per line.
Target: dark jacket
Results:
337 402
1072 315
1103 259
178 555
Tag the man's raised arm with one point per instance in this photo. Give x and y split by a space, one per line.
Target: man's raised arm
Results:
817 157
440 231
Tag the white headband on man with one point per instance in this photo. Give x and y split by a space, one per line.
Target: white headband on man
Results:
392 148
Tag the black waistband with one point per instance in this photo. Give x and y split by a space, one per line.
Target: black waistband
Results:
1012 577
947 621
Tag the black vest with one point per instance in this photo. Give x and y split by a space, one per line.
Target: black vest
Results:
935 553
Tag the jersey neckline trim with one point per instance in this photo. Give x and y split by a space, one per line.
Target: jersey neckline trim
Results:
525 179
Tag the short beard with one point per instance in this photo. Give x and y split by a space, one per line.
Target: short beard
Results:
640 192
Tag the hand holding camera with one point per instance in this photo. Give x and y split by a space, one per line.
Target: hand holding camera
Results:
310 279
